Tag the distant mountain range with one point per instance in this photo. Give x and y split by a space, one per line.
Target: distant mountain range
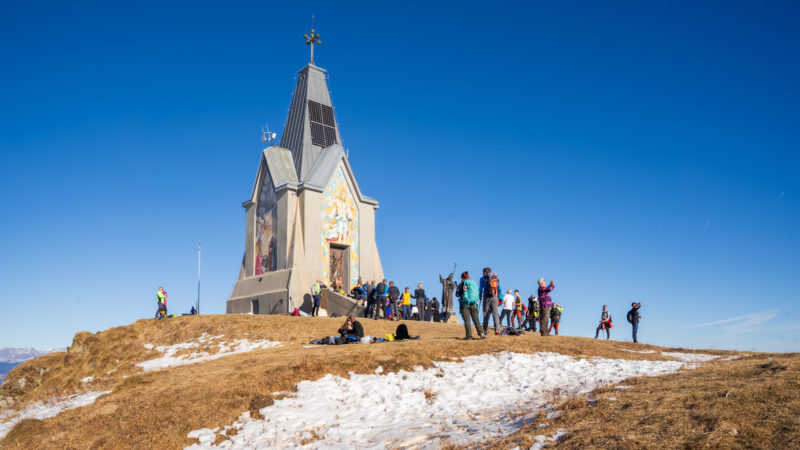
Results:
12 357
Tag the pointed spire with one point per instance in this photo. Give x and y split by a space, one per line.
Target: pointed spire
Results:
311 125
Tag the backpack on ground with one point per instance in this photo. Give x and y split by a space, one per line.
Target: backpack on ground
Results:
401 332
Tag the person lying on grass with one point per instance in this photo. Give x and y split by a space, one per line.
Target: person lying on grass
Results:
352 327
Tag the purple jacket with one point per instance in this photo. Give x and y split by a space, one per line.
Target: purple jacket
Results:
544 296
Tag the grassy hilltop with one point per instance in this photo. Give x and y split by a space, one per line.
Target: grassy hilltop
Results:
753 401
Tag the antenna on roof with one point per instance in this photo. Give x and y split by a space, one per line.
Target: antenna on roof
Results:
267 136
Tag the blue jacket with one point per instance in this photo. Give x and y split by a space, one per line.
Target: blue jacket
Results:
482 288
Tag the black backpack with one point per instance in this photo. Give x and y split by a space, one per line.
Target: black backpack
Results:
630 316
401 332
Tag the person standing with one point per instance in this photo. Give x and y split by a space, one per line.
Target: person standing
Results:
161 299
316 293
531 314
433 310
406 304
519 309
555 317
468 301
489 291
605 323
419 296
369 286
381 298
394 295
633 318
508 307
545 303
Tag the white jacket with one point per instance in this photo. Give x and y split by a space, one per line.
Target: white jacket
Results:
508 301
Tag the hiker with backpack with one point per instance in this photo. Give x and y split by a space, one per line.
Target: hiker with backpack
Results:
508 307
532 314
555 317
394 295
605 324
633 318
489 291
468 295
381 297
545 303
161 300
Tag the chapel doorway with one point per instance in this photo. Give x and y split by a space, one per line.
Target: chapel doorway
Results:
339 265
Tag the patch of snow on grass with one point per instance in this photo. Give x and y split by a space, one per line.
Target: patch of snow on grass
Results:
477 399
42 411
730 358
172 359
690 357
87 379
540 441
637 351
622 387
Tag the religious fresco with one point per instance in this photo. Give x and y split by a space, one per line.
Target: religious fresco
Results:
266 241
340 223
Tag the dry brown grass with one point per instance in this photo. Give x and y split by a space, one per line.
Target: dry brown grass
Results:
158 409
752 402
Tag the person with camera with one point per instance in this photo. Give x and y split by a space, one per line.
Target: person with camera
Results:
633 318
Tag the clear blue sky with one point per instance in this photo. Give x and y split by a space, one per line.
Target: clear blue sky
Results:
627 150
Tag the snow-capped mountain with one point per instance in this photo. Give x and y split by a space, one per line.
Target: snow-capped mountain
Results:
19 355
11 357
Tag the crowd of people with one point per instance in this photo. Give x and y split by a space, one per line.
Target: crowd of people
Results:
384 300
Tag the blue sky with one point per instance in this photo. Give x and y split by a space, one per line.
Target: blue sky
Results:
627 150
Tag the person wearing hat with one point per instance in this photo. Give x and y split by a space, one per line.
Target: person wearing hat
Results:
468 298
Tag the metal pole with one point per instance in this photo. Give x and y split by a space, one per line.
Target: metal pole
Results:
198 278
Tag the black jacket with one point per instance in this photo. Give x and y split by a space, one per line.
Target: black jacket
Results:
357 331
419 294
394 293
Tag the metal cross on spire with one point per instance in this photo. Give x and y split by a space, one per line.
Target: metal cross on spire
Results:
311 39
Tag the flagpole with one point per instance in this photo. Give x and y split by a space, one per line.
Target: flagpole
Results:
199 247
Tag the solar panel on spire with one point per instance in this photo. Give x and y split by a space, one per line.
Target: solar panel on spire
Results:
323 124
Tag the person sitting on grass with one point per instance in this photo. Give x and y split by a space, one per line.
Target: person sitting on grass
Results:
351 327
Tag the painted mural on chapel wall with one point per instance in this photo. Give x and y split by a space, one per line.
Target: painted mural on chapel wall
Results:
340 224
266 242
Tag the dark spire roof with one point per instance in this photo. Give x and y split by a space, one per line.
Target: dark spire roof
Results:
311 125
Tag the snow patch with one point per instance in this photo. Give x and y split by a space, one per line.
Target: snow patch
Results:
638 351
690 357
171 359
480 398
730 358
40 410
622 387
540 441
